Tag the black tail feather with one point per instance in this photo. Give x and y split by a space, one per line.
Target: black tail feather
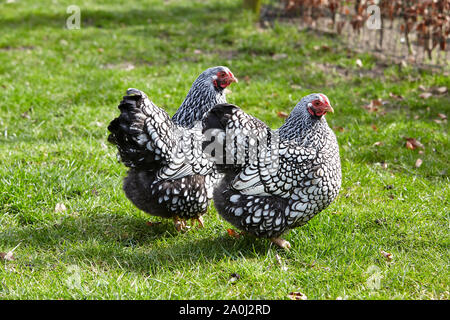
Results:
125 132
218 117
216 123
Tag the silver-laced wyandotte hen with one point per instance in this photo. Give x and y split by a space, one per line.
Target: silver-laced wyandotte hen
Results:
168 177
275 180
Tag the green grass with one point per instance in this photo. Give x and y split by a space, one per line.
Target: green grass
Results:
60 88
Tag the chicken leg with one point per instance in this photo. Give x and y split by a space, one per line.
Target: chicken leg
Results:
281 243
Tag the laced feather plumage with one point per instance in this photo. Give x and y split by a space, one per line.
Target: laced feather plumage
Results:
166 179
295 174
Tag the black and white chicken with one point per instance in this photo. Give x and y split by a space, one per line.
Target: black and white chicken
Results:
168 177
275 180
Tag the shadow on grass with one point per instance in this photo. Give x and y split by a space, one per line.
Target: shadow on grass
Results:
129 243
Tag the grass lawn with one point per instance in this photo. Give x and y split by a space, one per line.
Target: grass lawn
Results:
59 89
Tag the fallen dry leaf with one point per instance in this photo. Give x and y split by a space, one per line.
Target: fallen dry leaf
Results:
442 116
418 163
409 145
282 114
422 88
8 256
378 143
233 233
387 255
377 102
370 107
413 143
374 127
425 95
440 90
297 296
395 96
323 47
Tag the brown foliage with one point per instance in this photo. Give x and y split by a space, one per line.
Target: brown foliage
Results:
430 19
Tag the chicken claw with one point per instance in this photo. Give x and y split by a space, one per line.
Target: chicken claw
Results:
199 220
281 243
180 224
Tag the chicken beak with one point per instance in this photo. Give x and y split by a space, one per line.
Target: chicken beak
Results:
231 78
329 108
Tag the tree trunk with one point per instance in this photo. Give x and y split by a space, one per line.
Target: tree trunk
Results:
254 5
